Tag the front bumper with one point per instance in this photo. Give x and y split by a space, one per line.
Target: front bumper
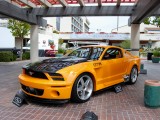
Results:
45 88
43 100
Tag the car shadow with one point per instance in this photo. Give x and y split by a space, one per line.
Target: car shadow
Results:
108 89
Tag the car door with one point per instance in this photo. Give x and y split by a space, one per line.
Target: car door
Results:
112 67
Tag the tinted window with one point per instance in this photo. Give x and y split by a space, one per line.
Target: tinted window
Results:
81 52
91 53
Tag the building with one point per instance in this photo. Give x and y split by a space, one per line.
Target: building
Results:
71 24
58 24
149 34
7 41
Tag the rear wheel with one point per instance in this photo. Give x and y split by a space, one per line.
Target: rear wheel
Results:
82 88
133 75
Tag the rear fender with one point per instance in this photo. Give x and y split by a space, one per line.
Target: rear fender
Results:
133 63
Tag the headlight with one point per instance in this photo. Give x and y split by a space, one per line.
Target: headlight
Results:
56 76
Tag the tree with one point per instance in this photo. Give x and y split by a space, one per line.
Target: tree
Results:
126 44
152 21
55 31
60 41
20 30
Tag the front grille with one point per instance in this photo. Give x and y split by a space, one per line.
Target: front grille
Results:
35 74
33 91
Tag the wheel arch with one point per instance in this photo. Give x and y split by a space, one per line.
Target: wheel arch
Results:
130 67
134 65
93 78
130 78
73 97
91 75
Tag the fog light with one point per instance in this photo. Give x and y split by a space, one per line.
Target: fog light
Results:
58 93
55 93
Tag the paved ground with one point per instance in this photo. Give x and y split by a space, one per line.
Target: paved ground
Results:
127 105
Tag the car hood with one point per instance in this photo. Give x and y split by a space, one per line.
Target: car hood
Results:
54 64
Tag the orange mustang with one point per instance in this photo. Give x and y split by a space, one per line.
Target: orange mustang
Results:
75 76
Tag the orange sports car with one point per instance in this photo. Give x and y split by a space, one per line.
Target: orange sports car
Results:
78 74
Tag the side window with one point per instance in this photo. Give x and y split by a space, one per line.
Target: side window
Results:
119 53
112 53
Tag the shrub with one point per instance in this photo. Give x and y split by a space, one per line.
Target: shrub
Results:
158 49
14 57
156 53
7 56
126 44
61 50
55 31
143 54
69 51
26 55
60 41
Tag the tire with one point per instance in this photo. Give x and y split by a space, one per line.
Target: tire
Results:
82 88
133 75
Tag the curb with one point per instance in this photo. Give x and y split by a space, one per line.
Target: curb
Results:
14 63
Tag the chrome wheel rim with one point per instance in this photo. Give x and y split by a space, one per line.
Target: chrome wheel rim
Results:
134 75
84 87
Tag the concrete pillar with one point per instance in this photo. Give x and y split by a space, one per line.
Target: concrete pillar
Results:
34 43
135 39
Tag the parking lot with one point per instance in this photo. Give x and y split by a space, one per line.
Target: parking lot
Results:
108 105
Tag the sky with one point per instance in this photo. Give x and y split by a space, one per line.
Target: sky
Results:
106 24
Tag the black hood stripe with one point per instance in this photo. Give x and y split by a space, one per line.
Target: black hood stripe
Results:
54 64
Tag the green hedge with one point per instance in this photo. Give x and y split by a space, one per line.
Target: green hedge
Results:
26 55
61 50
7 56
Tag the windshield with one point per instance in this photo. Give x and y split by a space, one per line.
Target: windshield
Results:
90 53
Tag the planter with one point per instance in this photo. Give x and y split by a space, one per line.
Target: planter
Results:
59 55
155 59
142 66
152 93
149 55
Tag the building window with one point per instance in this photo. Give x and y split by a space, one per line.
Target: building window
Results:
78 24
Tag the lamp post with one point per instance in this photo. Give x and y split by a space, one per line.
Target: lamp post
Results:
149 43
149 54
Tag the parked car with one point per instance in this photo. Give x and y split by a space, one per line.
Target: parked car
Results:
50 53
78 74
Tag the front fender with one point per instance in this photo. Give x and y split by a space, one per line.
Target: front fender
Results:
72 72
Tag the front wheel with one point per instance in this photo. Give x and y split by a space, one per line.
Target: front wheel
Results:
82 89
133 75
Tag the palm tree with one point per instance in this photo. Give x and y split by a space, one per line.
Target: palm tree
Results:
20 30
